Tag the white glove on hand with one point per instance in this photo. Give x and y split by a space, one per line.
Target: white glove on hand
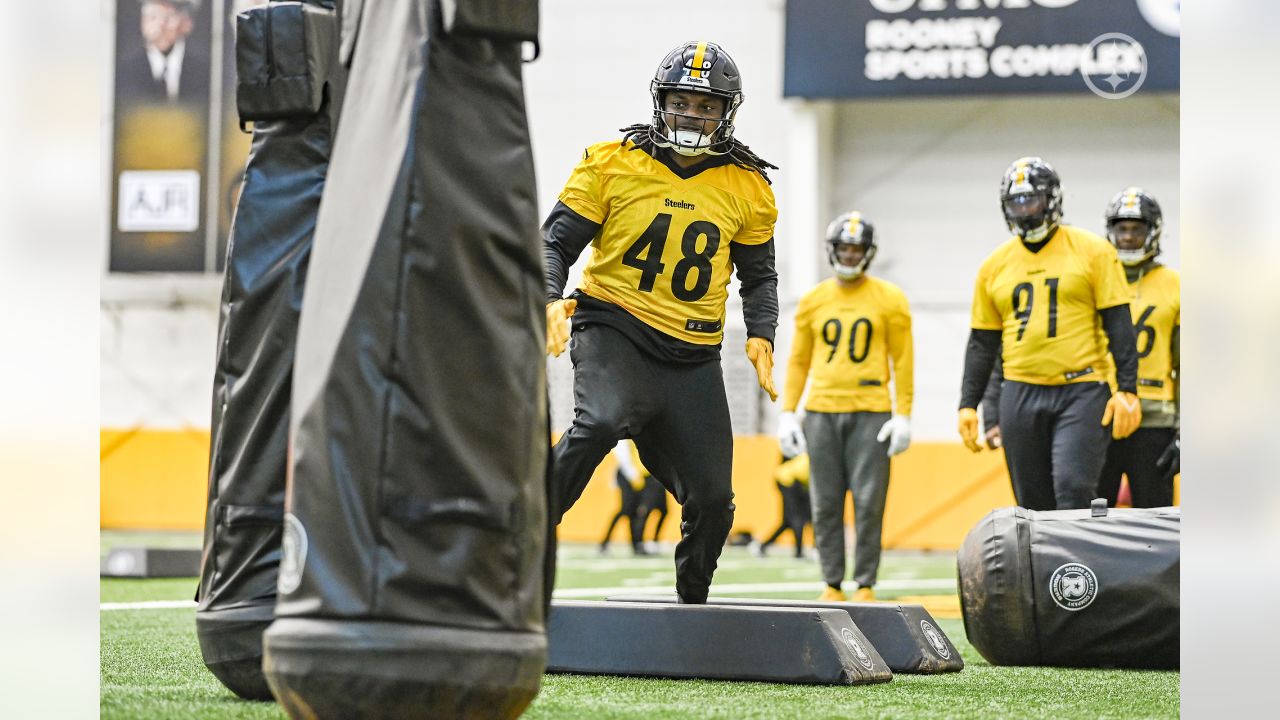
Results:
790 435
897 430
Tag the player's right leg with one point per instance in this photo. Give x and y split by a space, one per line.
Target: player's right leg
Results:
612 393
1080 443
1026 432
689 446
1112 469
828 484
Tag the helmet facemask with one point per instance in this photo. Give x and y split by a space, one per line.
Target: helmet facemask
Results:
1027 214
690 134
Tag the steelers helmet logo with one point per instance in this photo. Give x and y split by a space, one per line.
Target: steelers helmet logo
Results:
294 554
864 658
934 638
1073 586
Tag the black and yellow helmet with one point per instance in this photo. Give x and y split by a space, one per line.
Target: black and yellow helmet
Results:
1031 199
696 66
1134 203
850 229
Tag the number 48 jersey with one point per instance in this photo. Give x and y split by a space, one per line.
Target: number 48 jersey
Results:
663 251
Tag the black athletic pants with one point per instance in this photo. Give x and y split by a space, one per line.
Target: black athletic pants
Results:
629 510
796 513
678 415
1135 456
1054 442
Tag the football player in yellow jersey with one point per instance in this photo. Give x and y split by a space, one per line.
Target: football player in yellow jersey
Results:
1042 302
850 332
1148 457
792 479
669 210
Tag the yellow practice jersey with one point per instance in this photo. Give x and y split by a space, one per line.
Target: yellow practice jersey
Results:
1155 301
663 251
845 342
1046 306
795 470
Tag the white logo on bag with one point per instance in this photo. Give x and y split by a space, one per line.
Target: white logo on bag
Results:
934 637
294 545
858 651
1073 586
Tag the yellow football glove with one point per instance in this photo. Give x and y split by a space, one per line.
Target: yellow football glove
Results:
558 314
760 353
1123 414
969 428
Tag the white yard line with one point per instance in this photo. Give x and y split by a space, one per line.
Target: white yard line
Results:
148 605
719 589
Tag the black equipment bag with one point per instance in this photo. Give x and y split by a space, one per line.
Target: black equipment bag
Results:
1077 588
412 582
267 257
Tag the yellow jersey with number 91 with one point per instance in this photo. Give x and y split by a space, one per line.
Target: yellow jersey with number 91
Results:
1046 306
662 253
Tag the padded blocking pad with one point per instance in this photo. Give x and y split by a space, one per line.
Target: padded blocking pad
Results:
906 636
142 562
787 645
231 645
344 669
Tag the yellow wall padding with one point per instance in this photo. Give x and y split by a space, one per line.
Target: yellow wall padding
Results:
153 479
157 479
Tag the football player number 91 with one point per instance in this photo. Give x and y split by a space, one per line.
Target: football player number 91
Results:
654 240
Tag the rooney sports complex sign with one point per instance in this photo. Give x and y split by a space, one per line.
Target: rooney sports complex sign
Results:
886 48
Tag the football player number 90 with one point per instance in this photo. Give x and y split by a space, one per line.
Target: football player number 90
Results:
832 329
645 255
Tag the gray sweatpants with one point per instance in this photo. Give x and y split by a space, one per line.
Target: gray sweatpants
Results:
844 456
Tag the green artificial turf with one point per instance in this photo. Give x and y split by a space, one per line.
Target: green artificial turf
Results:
151 666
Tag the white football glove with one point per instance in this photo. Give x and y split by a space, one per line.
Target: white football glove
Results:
897 430
790 435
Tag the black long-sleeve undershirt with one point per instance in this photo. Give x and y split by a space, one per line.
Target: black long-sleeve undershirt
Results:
1117 322
759 287
979 357
565 234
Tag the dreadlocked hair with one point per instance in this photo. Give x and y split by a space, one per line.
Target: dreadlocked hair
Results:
739 154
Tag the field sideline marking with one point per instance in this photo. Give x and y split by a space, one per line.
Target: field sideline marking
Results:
568 593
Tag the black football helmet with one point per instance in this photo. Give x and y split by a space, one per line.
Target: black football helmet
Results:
696 66
1134 203
850 229
1031 199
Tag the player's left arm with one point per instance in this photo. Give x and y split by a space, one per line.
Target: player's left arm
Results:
751 253
759 287
1111 297
902 353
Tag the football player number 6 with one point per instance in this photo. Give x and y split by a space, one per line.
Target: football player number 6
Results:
653 240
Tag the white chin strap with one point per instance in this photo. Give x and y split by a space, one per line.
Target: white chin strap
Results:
689 142
1133 257
845 272
1037 233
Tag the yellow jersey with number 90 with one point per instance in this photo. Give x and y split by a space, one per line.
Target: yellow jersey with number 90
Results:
1046 306
662 253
